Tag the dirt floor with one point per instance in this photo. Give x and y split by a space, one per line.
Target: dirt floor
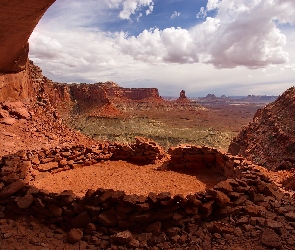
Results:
127 177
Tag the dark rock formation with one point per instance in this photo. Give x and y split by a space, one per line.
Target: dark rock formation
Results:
182 94
182 97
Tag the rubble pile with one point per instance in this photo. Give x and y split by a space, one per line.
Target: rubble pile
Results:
247 207
10 112
270 139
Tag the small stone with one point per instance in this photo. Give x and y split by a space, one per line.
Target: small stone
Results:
270 239
122 237
11 189
47 166
108 219
7 235
25 202
290 216
273 224
63 163
21 113
55 210
224 186
220 198
74 236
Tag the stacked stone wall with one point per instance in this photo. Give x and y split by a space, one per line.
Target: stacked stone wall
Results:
113 212
193 158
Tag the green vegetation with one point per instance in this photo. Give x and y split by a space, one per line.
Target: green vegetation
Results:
124 130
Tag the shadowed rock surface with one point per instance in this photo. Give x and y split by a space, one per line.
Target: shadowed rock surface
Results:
18 20
270 139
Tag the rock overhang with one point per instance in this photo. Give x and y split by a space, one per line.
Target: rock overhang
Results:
18 20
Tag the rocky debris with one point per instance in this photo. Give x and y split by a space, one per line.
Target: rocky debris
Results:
11 189
10 112
270 139
245 209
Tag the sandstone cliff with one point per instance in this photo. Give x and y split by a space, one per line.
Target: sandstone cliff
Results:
270 139
18 20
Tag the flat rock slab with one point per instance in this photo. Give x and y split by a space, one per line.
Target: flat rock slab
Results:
11 189
8 120
47 166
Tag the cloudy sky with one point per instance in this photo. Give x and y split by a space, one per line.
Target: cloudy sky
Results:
231 47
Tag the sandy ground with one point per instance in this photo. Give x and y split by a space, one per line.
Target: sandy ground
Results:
127 177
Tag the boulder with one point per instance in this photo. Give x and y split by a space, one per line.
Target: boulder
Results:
47 166
270 239
11 189
25 202
74 236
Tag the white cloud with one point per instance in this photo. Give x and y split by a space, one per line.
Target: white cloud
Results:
241 34
202 13
130 7
156 46
250 33
175 14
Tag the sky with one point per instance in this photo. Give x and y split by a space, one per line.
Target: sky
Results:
221 47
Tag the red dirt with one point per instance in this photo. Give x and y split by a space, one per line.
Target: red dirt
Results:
127 177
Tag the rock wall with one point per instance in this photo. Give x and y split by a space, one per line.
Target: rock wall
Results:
240 205
139 93
15 86
18 20
84 97
193 158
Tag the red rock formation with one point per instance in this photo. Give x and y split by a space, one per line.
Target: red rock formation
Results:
182 97
270 139
18 20
15 86
182 94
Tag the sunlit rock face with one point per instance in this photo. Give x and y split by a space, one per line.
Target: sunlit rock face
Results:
18 19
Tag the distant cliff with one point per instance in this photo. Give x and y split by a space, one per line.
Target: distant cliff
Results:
82 97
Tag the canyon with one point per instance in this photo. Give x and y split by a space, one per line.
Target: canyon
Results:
240 199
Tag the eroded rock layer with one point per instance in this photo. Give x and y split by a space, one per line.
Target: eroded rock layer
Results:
270 139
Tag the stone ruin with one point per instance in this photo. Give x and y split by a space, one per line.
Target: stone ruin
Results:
106 217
